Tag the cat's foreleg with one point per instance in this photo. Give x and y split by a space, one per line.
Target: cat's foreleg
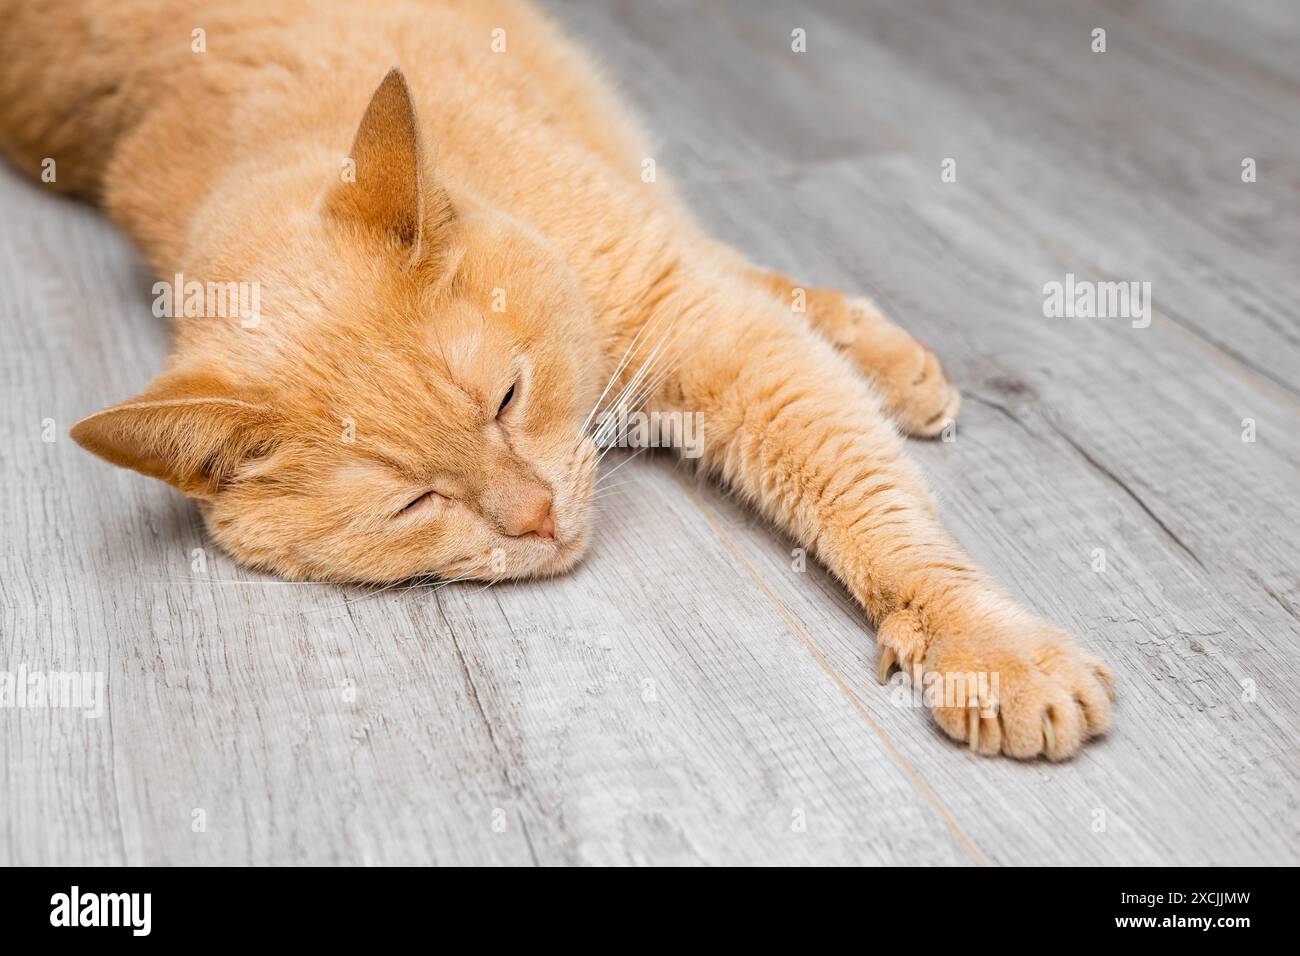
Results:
789 425
915 391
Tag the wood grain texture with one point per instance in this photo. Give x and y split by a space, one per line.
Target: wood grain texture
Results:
688 696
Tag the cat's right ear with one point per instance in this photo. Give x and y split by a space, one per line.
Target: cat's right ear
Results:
385 188
191 429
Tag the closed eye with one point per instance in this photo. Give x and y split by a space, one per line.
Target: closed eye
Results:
425 500
509 397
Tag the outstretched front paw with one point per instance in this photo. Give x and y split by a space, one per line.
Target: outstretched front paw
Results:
916 392
1000 680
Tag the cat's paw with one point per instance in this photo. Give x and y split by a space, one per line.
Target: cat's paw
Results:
916 392
1002 683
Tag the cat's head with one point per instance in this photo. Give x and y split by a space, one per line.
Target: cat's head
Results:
409 400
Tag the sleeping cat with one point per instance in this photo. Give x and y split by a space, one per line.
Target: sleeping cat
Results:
460 269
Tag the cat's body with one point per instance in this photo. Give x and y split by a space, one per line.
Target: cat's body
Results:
445 292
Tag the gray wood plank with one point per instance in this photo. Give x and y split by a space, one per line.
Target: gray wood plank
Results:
1135 153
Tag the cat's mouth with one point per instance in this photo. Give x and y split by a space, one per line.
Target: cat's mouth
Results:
568 545
567 548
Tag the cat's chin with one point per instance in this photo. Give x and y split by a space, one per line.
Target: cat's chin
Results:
535 560
568 553
560 557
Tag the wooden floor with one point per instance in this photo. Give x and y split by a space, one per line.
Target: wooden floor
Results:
687 696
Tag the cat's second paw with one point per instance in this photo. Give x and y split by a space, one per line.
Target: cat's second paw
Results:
1002 683
916 392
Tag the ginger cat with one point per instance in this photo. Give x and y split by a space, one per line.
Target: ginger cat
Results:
442 209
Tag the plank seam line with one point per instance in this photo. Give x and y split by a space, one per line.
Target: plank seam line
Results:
857 704
1243 368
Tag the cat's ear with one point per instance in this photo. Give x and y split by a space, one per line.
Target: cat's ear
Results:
386 188
191 429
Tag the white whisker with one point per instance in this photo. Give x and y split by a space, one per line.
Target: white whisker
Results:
399 586
622 364
605 477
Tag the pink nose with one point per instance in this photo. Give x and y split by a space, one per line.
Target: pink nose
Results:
536 520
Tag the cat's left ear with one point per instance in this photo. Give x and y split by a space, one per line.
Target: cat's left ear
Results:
190 428
385 189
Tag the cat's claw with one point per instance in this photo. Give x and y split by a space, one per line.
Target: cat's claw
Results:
885 664
1001 682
